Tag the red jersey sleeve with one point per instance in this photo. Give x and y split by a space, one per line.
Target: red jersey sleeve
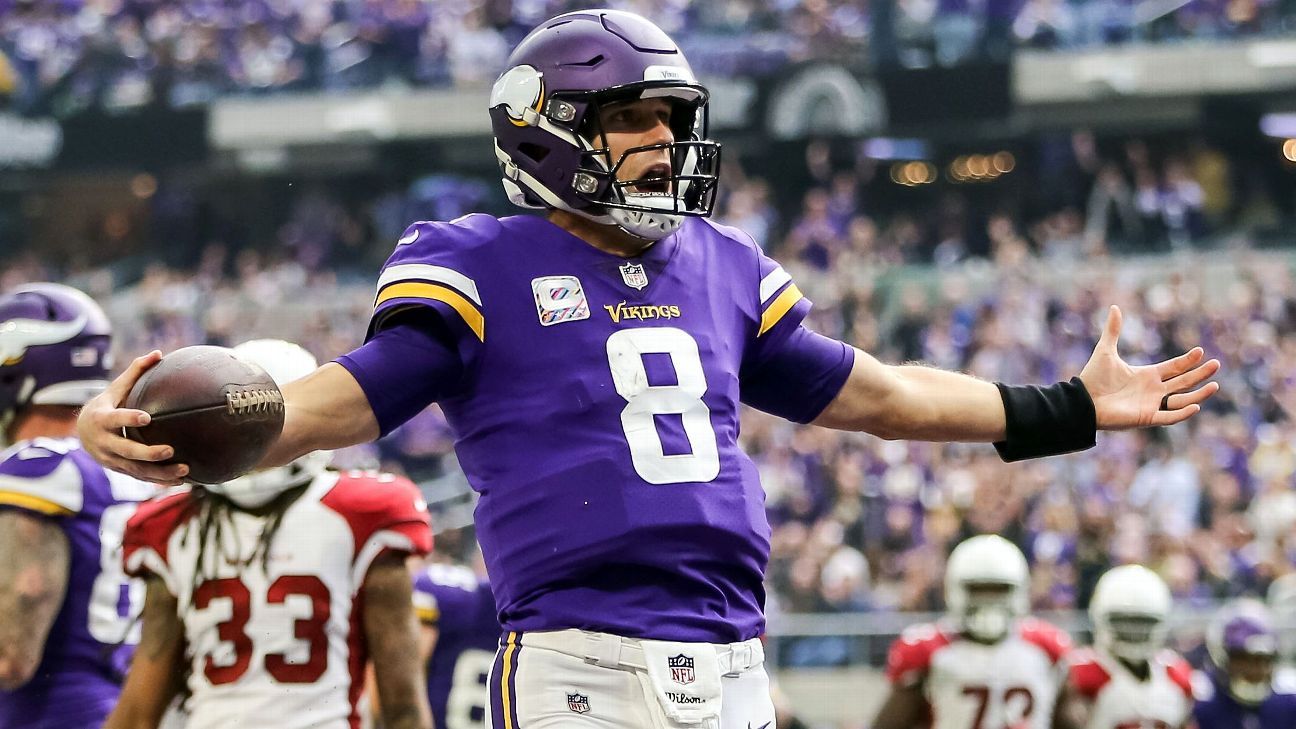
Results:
1051 639
1179 671
148 534
911 654
1086 674
385 513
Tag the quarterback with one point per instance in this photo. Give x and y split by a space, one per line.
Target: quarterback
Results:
592 360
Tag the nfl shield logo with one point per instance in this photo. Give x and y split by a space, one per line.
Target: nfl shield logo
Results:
634 275
578 703
681 668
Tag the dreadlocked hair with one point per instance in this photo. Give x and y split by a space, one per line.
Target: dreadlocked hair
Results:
213 515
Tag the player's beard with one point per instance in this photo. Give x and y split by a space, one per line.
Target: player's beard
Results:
1249 692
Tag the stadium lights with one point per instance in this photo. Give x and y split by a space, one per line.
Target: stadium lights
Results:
980 167
964 168
912 174
143 185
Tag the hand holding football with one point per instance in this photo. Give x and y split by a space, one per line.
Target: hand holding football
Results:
220 413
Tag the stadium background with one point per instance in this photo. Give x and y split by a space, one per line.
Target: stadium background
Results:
963 182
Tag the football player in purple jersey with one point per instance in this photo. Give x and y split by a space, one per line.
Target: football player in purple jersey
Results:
1239 689
460 635
67 610
592 360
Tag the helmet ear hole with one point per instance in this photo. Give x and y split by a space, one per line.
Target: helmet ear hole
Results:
534 152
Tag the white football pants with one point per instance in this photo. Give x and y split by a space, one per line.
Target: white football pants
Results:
583 680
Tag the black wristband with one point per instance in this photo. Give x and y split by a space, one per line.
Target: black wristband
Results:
1046 421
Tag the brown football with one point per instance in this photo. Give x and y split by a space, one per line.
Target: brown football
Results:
220 413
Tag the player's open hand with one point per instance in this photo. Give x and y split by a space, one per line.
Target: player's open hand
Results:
100 427
1164 393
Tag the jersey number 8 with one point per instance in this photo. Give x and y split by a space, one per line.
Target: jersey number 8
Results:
644 402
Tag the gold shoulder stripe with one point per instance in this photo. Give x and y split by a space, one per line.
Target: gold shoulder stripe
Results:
33 503
429 615
779 307
416 290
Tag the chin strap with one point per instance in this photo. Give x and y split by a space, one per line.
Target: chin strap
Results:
646 225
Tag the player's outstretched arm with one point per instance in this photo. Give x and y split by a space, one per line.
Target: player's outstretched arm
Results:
155 675
326 409
913 402
392 633
33 580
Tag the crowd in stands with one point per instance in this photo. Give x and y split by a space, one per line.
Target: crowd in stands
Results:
63 56
1069 197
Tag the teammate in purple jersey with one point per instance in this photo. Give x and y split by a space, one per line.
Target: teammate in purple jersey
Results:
67 611
459 640
1239 690
592 362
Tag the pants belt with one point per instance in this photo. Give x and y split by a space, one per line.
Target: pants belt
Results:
614 651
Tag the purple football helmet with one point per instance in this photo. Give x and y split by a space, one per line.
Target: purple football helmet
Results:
1242 629
551 148
54 344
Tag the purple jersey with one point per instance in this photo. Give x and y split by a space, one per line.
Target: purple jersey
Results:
598 417
462 609
89 646
1216 709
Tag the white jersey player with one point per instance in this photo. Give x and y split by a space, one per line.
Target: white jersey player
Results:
268 595
988 665
1129 680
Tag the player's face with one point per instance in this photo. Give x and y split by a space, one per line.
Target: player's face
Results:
639 123
1251 668
989 613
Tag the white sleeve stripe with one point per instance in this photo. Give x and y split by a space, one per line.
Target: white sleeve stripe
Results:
772 282
385 539
428 272
62 486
